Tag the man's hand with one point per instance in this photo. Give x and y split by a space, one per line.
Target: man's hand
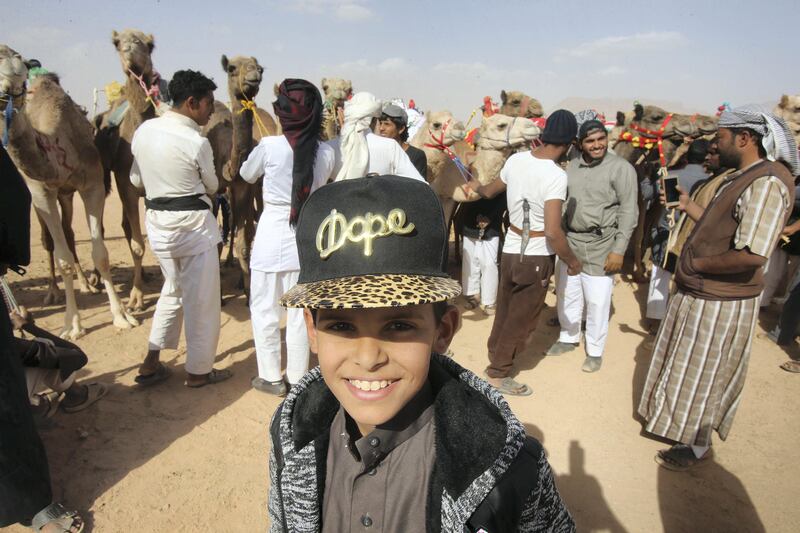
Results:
575 268
613 263
473 185
21 318
791 229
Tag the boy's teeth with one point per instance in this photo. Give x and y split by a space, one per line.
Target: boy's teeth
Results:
369 385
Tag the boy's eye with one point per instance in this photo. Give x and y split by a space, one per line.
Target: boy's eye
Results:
399 326
340 326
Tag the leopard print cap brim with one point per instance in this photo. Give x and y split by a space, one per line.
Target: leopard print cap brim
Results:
370 291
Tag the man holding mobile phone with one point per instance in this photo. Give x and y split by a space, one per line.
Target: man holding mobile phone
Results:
600 217
702 349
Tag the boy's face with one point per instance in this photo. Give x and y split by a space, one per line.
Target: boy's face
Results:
376 360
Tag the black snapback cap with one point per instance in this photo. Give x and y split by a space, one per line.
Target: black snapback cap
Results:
369 242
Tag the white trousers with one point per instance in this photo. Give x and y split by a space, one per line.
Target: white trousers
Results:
592 293
658 293
266 288
774 273
479 271
191 297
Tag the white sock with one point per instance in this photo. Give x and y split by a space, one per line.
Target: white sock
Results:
700 451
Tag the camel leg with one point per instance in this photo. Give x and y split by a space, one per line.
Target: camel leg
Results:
133 234
231 215
45 201
94 200
53 295
242 206
86 286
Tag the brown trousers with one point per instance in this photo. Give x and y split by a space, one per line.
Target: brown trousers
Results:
523 287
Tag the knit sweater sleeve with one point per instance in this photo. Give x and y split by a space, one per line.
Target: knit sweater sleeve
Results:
275 503
545 510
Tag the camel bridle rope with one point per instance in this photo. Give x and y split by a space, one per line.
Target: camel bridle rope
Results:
250 105
438 144
151 92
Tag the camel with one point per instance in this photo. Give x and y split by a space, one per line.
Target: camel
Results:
50 141
648 159
114 140
336 91
517 104
789 110
435 138
233 134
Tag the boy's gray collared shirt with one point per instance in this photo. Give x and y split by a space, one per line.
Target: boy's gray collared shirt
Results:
601 209
379 482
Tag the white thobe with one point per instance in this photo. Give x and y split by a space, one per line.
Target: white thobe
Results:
592 293
658 293
274 262
386 156
172 159
479 270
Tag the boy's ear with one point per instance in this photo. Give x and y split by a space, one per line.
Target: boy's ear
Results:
449 325
311 330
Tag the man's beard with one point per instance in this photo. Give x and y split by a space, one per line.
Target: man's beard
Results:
729 159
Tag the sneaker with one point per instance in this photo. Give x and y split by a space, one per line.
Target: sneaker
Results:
592 364
278 388
559 348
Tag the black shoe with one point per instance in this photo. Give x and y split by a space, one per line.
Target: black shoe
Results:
277 388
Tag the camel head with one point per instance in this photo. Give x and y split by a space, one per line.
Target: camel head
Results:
13 72
134 49
337 90
518 104
789 110
441 127
244 76
501 132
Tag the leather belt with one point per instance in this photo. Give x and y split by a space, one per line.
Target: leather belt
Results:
177 203
531 233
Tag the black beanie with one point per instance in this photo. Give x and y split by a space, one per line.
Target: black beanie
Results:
590 126
561 128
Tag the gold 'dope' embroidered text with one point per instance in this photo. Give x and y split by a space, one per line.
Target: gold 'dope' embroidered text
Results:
366 228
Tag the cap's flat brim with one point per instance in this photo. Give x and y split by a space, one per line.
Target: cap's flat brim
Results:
371 291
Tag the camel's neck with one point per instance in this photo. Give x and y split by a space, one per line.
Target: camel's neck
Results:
488 163
242 120
137 97
36 155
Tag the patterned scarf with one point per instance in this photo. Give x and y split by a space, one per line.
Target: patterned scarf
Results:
777 138
299 109
358 113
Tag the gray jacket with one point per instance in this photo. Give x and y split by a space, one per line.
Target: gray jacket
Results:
487 473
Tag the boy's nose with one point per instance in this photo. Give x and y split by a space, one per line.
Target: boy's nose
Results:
370 354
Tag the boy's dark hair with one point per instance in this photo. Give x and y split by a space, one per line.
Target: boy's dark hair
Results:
697 151
186 83
399 124
439 309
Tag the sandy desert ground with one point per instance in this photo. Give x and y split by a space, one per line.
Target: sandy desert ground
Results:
173 459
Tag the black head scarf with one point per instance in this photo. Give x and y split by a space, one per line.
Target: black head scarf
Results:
299 109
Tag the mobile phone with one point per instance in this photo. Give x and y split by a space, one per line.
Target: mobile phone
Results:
671 192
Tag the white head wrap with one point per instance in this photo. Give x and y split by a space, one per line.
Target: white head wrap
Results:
358 113
776 137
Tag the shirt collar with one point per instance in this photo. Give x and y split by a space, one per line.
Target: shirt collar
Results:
736 174
595 163
183 119
374 447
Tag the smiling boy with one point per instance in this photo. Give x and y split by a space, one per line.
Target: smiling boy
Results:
386 434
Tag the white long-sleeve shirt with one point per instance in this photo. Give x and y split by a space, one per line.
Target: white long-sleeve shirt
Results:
172 159
275 248
386 156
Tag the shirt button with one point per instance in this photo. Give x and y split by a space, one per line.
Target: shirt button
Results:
372 471
366 521
374 442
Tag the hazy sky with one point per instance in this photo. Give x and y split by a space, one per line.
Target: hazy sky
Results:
445 54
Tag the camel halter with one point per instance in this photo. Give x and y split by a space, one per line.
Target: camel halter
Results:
250 105
8 116
649 138
151 93
439 145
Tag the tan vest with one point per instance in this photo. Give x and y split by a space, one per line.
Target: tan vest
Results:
714 235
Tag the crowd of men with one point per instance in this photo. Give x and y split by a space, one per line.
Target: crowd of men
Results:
565 209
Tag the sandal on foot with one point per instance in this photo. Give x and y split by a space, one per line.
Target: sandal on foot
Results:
48 404
509 386
161 374
680 458
94 391
56 514
212 378
470 302
278 388
791 366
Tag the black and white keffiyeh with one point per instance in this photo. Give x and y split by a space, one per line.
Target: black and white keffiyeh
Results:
777 138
